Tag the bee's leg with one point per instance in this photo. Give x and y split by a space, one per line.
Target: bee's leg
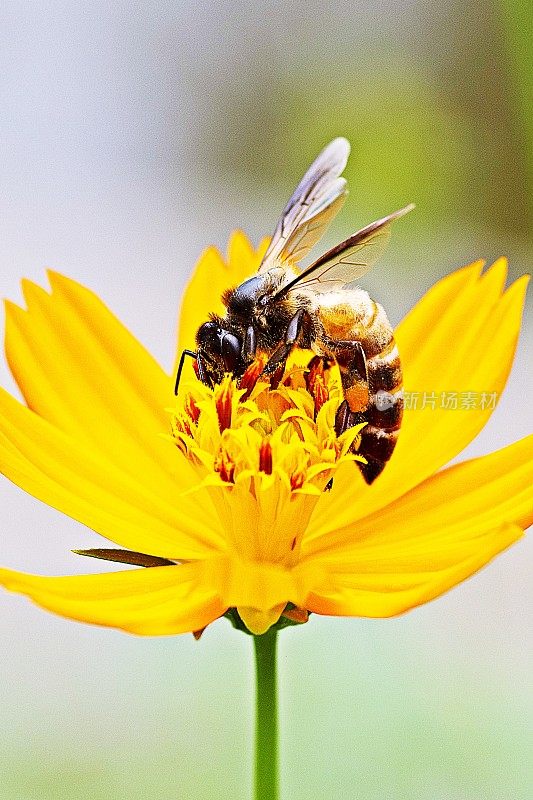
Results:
351 359
353 410
345 419
295 328
249 345
371 397
376 444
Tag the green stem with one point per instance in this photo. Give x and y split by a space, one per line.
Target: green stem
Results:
266 720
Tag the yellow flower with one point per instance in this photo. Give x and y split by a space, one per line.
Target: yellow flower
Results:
227 495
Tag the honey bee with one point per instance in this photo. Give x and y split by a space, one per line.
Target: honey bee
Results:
317 308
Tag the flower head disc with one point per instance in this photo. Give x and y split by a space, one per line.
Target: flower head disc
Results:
227 502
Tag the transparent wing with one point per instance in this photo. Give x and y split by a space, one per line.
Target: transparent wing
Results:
350 259
317 198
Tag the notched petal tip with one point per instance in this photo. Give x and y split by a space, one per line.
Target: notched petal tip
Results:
34 295
239 246
60 283
519 286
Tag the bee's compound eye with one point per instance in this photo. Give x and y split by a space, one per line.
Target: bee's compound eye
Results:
209 335
231 351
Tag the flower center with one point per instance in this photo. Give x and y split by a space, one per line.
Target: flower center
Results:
265 455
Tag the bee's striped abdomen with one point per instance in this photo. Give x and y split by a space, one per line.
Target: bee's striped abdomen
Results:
384 412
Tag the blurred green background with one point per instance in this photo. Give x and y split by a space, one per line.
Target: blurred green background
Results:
133 135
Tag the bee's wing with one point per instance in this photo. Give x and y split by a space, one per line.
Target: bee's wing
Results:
317 198
349 260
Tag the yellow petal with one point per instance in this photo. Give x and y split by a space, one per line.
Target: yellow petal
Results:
202 296
150 602
80 369
450 509
374 594
422 317
210 279
427 541
460 337
243 260
473 352
74 478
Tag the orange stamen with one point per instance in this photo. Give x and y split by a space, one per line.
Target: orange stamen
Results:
225 466
223 399
320 393
251 376
265 457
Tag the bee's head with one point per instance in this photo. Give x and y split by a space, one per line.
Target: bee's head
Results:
218 351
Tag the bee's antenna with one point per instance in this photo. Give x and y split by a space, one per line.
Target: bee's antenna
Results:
180 367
